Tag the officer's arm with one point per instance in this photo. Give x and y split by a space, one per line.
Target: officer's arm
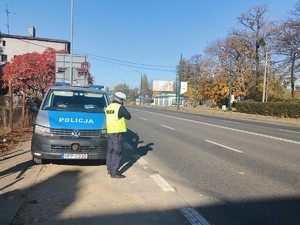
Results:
123 112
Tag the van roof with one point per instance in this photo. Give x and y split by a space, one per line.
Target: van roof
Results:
93 88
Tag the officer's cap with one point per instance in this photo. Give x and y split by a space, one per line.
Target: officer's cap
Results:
120 95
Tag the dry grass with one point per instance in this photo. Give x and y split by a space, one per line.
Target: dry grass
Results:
231 114
9 140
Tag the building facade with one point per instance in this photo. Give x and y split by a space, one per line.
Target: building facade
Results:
13 45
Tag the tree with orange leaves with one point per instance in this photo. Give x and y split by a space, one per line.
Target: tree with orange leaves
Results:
32 73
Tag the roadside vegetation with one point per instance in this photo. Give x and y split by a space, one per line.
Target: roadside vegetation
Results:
260 56
9 140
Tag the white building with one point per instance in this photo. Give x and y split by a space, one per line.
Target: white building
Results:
13 45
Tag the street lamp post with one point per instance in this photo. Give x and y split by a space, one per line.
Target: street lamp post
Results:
230 77
140 97
71 43
264 96
230 84
179 84
195 86
124 86
195 92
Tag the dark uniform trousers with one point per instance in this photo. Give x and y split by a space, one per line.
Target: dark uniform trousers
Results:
114 151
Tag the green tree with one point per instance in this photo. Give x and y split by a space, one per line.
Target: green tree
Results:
145 85
122 87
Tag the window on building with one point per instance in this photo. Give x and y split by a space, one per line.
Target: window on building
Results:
3 58
3 43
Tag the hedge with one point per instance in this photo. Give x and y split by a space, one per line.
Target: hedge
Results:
280 109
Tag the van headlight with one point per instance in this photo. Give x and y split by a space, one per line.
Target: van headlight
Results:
40 130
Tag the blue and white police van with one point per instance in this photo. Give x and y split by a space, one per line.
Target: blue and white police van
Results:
70 124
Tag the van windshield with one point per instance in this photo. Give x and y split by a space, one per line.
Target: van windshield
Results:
75 101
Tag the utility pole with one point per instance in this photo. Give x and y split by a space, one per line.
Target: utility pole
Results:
265 79
179 84
71 44
141 90
230 84
140 97
195 85
11 111
267 82
230 77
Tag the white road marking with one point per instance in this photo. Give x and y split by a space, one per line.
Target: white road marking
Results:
291 131
142 118
167 127
230 121
162 183
140 160
224 146
228 128
193 216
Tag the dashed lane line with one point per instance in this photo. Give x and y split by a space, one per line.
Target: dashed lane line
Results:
224 146
141 161
193 216
162 183
190 214
167 127
230 121
290 131
228 128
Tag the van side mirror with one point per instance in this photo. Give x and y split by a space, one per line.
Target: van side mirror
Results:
35 106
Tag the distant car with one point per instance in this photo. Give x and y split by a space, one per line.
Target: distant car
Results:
71 124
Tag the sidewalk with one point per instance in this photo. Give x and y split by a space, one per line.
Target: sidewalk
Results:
84 193
16 173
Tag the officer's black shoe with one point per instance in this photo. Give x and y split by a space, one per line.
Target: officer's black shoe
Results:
119 176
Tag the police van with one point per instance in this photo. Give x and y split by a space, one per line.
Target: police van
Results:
70 124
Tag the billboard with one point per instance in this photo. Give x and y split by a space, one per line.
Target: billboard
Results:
183 87
80 67
163 85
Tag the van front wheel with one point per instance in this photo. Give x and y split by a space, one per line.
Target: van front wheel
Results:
37 160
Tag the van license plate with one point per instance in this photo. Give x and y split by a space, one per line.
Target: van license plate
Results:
74 156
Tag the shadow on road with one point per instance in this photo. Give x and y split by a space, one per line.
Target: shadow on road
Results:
45 201
52 201
21 168
130 156
273 211
76 162
18 170
49 202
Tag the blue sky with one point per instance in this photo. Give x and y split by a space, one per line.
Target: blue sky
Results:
124 38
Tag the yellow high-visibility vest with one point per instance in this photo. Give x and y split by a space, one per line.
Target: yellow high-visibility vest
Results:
113 123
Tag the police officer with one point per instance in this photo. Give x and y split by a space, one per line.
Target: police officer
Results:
116 114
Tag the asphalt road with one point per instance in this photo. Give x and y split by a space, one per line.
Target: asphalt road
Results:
180 168
231 171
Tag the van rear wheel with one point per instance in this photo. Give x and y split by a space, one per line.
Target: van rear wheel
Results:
37 160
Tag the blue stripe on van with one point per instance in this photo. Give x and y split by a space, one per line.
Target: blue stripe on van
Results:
76 120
